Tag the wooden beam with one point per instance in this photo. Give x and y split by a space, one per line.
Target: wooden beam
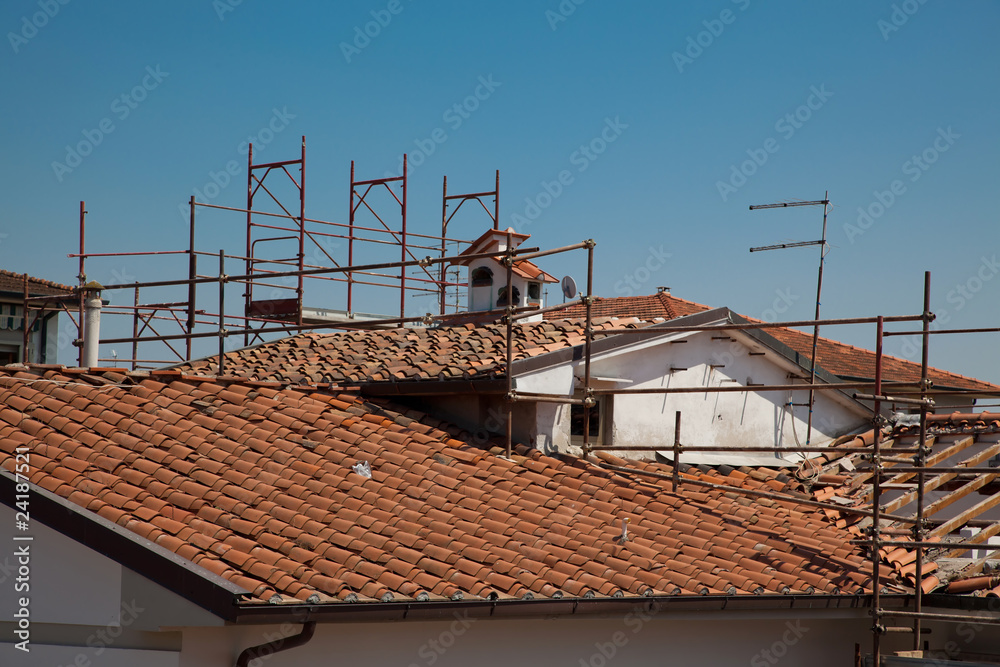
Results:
959 493
960 520
908 498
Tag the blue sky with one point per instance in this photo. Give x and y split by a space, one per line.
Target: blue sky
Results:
704 107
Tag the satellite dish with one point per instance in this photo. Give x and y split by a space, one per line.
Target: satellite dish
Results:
568 287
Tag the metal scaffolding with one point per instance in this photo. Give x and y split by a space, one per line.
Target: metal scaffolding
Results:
888 464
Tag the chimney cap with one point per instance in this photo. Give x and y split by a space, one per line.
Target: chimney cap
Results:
661 289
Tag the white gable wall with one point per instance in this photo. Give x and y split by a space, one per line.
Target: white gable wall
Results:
708 359
85 608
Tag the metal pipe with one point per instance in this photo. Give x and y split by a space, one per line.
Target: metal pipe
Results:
739 389
25 326
876 495
516 396
192 289
496 204
82 278
918 528
350 242
266 649
761 325
944 331
893 399
248 294
442 269
402 258
767 450
677 449
588 340
509 296
930 545
222 312
751 492
300 292
546 253
311 272
135 329
951 470
954 618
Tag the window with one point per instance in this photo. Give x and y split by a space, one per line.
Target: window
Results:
9 354
502 296
535 292
600 420
481 277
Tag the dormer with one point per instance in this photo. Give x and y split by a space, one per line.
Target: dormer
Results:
487 284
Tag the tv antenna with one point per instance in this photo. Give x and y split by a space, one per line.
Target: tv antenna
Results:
825 203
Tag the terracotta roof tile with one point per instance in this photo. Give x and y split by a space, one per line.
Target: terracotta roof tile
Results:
439 515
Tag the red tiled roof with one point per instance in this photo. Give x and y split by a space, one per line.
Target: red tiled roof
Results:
647 307
254 482
14 283
530 271
837 358
381 355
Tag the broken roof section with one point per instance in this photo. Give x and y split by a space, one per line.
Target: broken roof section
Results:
960 506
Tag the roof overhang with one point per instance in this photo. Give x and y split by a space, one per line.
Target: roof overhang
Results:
179 575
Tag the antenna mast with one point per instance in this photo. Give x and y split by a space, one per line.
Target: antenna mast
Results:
825 202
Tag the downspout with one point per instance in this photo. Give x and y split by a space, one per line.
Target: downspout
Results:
91 323
266 649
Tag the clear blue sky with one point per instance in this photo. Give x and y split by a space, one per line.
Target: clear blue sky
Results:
838 96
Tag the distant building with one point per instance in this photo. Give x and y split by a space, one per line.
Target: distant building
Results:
43 325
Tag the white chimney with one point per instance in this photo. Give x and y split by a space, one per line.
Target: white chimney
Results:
91 323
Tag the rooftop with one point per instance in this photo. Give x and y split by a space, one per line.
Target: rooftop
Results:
13 283
257 483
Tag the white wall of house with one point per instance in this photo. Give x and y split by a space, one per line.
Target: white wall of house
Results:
635 638
702 359
84 608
